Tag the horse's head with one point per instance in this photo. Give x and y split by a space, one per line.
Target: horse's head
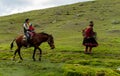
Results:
51 41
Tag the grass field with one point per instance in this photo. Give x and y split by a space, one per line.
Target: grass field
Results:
65 24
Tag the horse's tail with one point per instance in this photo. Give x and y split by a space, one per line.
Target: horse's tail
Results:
11 45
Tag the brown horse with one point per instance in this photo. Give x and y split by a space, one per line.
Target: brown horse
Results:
35 42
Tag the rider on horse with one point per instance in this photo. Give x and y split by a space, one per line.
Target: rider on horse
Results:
28 29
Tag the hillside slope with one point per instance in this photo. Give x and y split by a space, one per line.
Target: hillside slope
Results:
65 24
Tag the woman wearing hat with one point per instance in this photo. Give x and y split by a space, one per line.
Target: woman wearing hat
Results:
89 40
26 28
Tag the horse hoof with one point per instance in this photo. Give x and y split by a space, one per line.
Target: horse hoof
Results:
40 59
13 59
19 61
34 59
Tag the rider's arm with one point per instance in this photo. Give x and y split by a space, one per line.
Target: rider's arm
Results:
25 26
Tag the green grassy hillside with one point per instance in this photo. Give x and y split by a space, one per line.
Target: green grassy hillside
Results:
65 24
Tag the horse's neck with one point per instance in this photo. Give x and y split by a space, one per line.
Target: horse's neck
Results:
42 37
45 38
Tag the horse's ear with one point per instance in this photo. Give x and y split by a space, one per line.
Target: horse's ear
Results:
50 34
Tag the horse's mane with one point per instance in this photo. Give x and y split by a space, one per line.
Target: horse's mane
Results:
44 33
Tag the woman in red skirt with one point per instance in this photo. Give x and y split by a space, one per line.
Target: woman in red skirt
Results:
89 38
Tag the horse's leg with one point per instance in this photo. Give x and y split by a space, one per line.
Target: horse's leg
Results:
15 53
34 54
19 53
40 54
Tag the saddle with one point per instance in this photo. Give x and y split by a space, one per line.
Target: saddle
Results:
27 41
24 38
27 38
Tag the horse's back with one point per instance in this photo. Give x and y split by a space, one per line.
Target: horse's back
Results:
19 39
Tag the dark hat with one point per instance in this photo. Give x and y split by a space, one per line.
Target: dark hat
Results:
91 21
27 19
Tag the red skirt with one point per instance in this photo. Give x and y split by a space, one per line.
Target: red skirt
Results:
91 42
